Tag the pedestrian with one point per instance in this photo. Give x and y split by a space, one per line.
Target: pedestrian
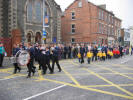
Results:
82 52
2 54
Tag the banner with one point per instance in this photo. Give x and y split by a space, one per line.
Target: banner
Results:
46 21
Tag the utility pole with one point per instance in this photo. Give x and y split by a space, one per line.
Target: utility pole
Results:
44 30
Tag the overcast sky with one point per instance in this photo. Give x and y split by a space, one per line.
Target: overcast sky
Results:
121 8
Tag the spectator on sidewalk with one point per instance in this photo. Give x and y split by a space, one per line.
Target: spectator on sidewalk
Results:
2 52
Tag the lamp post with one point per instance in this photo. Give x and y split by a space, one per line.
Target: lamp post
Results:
44 31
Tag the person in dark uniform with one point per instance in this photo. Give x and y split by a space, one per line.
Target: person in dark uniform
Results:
30 65
82 52
36 52
48 60
43 60
39 57
65 51
16 49
55 58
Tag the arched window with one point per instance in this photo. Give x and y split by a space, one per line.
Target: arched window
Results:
38 37
29 11
38 11
29 37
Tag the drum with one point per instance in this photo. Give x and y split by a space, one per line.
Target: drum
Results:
23 57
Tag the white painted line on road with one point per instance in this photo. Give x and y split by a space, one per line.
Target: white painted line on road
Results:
44 92
125 61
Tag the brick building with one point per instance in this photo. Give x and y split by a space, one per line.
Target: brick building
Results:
83 21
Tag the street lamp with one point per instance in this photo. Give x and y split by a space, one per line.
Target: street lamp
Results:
44 31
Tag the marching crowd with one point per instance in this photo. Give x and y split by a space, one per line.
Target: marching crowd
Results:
44 53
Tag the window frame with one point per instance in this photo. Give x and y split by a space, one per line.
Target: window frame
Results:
73 29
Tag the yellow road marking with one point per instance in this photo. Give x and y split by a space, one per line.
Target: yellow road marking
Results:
126 85
123 66
90 89
114 71
70 76
129 93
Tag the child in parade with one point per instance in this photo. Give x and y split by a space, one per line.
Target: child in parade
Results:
89 56
99 55
79 57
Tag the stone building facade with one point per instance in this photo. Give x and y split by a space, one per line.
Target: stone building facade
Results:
22 21
27 16
84 21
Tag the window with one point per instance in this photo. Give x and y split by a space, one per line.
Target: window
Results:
73 15
29 11
38 11
73 28
73 40
99 15
100 28
102 17
80 4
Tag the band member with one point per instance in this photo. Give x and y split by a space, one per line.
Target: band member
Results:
55 58
43 59
30 65
2 52
15 53
48 60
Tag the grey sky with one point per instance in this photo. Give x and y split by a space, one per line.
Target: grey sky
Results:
121 8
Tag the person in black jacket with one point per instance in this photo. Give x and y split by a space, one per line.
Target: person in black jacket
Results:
15 50
82 52
48 60
55 58
95 51
43 60
65 51
30 65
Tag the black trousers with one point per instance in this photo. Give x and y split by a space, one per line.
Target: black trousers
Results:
30 68
48 65
55 60
1 59
44 68
89 60
82 59
16 67
65 54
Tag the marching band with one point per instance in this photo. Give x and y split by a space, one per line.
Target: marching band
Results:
43 53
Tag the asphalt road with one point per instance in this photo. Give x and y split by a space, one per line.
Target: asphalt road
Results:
109 80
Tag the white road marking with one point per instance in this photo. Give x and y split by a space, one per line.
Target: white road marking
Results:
125 61
44 92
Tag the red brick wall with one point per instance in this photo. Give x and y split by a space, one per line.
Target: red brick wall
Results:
7 44
86 23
